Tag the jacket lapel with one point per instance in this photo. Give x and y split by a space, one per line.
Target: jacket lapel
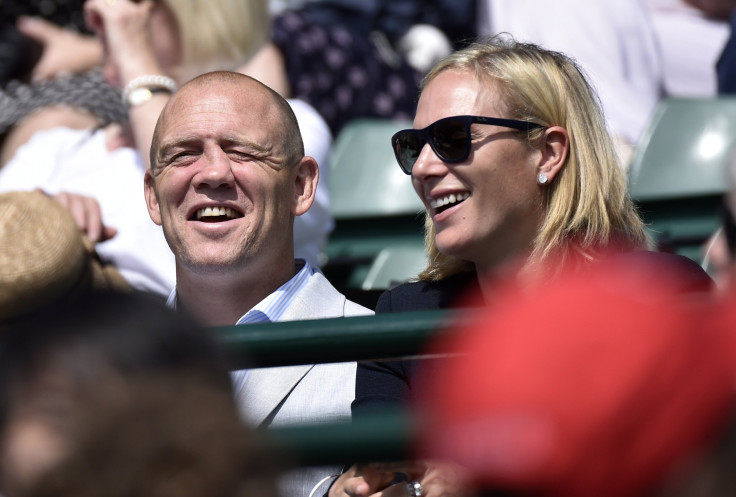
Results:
265 389
318 299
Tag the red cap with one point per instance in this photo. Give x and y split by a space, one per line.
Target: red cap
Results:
594 384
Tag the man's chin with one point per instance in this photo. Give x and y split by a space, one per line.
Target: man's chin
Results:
209 266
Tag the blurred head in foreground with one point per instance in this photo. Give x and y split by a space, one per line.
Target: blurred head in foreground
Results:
119 396
604 383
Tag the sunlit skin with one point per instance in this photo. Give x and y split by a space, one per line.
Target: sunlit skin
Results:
501 216
221 147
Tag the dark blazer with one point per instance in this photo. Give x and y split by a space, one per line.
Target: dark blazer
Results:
388 383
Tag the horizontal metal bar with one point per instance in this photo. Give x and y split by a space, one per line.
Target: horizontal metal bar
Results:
359 338
386 435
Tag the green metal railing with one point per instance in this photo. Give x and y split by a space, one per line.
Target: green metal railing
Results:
361 338
382 436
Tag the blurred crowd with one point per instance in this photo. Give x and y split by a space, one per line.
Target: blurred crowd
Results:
164 173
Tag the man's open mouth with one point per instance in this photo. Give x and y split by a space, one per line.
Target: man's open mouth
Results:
216 214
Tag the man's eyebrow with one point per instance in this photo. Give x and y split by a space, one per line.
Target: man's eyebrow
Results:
197 140
178 142
236 140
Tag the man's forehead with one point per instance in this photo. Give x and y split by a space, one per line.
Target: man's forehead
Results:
244 93
203 106
200 108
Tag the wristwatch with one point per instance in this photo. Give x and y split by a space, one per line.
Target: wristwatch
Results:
143 94
141 89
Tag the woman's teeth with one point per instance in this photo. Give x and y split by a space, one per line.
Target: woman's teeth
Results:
448 199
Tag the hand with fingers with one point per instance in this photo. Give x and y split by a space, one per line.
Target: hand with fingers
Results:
438 479
363 480
124 28
425 479
87 214
64 51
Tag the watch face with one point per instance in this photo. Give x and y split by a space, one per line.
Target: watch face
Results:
138 96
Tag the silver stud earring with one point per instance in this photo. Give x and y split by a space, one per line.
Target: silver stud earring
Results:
542 179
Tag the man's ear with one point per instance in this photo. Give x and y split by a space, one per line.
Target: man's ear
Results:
555 149
305 185
149 186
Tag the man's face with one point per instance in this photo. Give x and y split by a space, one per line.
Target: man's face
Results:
222 188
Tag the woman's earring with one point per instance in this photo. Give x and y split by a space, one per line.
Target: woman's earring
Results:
542 179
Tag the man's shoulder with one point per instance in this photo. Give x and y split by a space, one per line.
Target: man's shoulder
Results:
319 299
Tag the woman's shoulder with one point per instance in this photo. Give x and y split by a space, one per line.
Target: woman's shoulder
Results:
426 295
683 274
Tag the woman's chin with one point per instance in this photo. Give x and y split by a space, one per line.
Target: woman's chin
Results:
452 248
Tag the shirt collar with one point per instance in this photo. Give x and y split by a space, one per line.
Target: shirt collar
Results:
273 307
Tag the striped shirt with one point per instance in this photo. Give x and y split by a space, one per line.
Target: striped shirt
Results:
269 310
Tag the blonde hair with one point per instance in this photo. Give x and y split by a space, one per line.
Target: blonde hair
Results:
219 34
587 206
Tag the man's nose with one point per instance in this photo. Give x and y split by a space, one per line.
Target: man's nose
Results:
216 171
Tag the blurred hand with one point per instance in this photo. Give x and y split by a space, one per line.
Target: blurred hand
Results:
362 480
123 27
438 479
441 479
87 214
64 51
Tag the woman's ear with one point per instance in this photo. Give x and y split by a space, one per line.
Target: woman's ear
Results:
305 185
555 149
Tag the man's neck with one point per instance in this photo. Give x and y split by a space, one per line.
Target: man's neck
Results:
222 299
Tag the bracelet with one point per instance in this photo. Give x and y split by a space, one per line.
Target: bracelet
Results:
150 82
320 483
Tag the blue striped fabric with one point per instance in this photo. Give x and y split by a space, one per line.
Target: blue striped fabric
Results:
272 307
268 310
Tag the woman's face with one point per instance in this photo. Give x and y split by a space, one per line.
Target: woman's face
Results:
491 203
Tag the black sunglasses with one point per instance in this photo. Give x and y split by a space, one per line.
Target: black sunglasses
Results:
449 138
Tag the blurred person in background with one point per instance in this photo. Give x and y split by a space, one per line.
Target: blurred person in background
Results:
613 42
150 48
356 59
44 259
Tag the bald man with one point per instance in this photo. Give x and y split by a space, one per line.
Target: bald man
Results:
228 176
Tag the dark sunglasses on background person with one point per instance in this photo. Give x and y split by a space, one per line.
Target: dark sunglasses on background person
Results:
449 138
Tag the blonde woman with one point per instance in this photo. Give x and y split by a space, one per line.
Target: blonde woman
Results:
511 157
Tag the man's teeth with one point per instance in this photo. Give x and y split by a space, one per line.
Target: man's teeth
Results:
216 212
449 199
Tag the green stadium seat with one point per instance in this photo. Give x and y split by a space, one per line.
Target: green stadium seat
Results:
374 206
676 176
395 265
365 180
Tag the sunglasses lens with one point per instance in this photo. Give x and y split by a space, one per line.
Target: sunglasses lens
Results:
407 147
450 139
